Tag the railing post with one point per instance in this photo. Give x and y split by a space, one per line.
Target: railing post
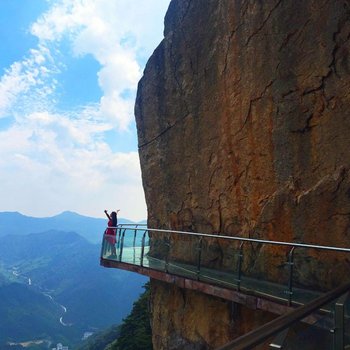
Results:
143 248
239 268
122 245
119 235
167 243
133 245
103 246
339 322
134 241
290 264
199 257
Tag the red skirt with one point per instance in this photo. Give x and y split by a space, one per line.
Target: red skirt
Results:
110 236
111 239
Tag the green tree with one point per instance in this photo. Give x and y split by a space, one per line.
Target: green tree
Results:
135 330
101 340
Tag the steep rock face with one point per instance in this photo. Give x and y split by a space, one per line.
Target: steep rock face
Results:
243 118
187 320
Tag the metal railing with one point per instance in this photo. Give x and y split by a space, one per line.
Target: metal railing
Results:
280 325
133 247
148 235
107 249
138 227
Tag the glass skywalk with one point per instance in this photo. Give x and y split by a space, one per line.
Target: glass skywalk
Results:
191 256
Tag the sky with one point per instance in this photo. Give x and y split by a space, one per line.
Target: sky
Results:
68 78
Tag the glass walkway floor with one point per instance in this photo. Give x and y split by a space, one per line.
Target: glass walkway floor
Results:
257 287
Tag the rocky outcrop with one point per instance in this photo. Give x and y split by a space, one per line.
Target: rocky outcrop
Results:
243 118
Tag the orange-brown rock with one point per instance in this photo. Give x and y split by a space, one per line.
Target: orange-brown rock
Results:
188 320
243 118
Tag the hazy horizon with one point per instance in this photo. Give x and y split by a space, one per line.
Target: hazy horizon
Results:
103 216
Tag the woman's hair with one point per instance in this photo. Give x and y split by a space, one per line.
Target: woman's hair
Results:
114 218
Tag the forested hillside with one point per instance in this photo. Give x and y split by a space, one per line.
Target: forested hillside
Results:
52 288
133 334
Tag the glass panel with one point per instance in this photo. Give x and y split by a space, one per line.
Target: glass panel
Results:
126 246
262 269
108 247
158 250
183 256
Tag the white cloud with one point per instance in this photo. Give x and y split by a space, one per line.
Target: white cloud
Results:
56 164
113 32
28 84
99 28
51 160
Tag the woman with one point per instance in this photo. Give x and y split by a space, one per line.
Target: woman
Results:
111 230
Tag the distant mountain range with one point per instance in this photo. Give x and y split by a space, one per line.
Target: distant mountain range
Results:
88 227
52 287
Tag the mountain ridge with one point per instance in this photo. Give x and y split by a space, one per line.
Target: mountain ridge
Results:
89 227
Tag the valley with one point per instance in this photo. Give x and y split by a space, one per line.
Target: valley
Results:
52 290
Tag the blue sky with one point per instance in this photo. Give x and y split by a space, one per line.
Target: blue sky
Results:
68 76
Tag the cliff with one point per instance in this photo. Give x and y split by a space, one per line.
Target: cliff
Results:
243 118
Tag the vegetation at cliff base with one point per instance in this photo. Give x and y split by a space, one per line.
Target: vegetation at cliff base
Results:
100 340
133 334
135 331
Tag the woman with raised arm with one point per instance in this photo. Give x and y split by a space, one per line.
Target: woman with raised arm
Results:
111 230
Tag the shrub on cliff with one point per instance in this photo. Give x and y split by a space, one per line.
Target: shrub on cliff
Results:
135 331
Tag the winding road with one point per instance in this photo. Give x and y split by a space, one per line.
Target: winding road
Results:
28 281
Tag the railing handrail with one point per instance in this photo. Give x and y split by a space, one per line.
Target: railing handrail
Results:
125 224
235 238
